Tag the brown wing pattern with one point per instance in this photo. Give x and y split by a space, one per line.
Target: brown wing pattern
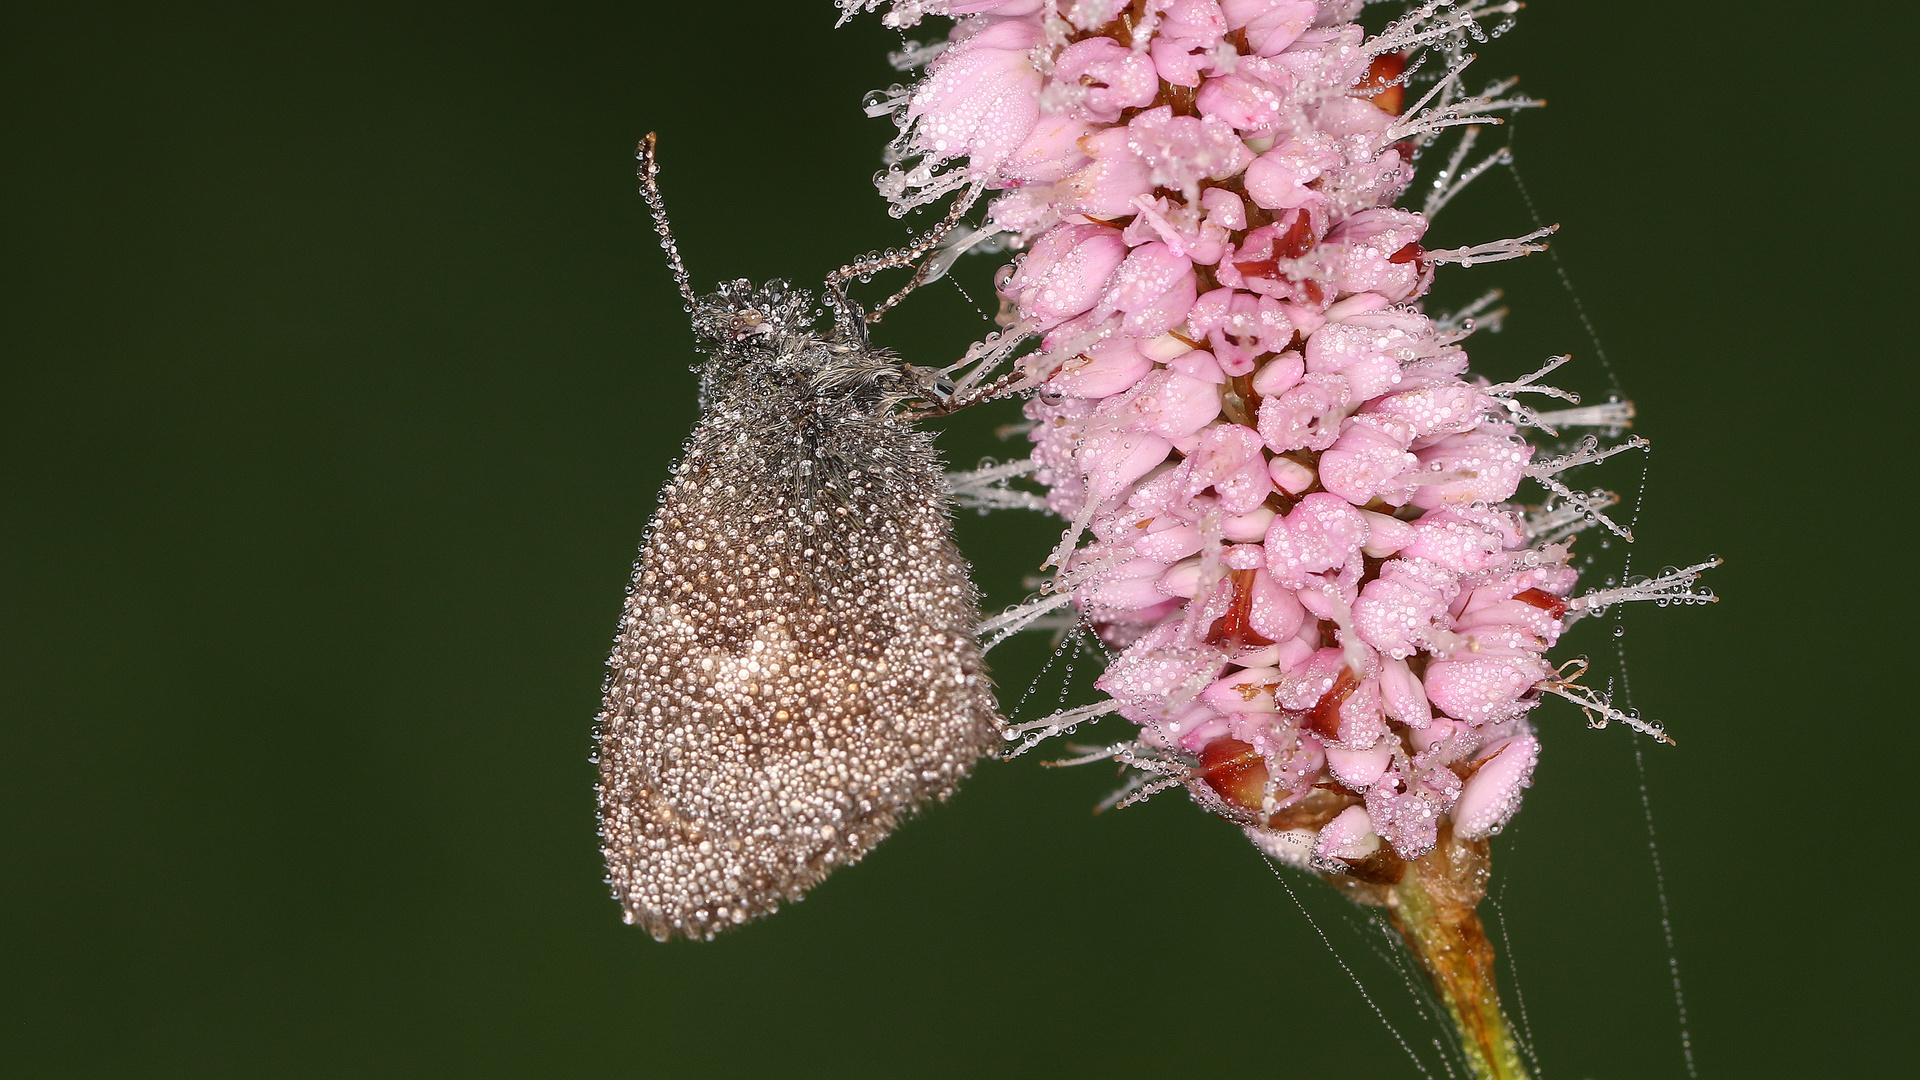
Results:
795 671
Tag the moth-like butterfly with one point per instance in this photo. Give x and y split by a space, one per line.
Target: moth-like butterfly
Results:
795 669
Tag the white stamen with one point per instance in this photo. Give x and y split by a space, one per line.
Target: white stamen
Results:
1496 251
1599 708
1612 417
985 488
1034 732
1672 587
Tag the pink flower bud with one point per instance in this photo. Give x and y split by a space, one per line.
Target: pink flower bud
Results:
1462 539
1485 685
1111 460
1307 416
1166 403
1402 696
1228 462
1066 272
980 98
1379 251
1315 537
1359 769
1112 77
1107 186
1240 102
1271 25
1492 794
1405 806
1278 179
1367 356
1154 287
1240 327
1349 837
1185 46
1401 610
1109 368
1483 465
1370 460
1051 152
1181 151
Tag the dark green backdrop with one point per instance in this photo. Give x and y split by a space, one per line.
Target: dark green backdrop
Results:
340 372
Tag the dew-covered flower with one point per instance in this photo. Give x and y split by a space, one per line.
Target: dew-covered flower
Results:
1292 505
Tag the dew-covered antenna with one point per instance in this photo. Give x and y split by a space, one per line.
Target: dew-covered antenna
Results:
898 257
649 175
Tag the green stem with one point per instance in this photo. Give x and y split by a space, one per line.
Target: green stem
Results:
1433 906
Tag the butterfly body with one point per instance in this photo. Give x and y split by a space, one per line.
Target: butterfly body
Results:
795 669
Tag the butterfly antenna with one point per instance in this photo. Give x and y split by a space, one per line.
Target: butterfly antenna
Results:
898 257
649 175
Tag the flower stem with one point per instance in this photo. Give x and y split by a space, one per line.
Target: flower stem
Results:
1433 906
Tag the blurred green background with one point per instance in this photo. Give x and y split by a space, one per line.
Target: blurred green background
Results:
341 370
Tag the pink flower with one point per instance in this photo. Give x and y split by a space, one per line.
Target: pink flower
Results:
1113 78
1154 287
1240 327
1318 536
1482 465
1279 178
1182 151
1066 272
981 97
1109 183
1185 46
1303 549
1270 25
1492 794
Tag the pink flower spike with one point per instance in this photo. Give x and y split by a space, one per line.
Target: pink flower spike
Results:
1292 507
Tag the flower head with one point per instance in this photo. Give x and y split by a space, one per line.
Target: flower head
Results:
1331 617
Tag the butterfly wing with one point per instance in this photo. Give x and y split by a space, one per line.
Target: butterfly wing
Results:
795 669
